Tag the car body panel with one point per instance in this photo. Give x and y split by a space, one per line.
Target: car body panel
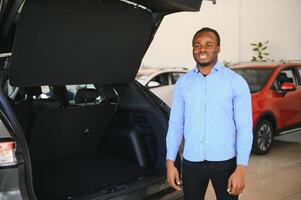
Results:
285 109
166 78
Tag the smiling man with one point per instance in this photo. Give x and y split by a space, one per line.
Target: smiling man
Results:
212 109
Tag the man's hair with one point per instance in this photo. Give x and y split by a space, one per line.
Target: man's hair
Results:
207 29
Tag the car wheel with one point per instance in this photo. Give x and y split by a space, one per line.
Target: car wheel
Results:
263 137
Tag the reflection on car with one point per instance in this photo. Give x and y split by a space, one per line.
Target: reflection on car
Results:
160 80
276 100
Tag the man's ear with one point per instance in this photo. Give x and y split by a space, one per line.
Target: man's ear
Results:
218 49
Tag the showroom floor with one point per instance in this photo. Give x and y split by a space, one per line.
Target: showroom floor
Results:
276 176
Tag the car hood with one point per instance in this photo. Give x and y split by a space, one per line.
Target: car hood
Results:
61 42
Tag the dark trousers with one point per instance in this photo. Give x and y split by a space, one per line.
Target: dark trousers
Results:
196 176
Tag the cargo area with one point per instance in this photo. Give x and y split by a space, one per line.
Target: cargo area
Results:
88 147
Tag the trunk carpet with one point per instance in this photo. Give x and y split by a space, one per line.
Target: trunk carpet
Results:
82 175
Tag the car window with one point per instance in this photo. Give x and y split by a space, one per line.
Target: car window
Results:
162 79
175 76
47 92
17 93
286 75
255 77
72 90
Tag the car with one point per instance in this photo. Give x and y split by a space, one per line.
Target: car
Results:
74 123
160 81
276 100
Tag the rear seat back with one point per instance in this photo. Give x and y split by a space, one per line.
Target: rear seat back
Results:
23 106
65 131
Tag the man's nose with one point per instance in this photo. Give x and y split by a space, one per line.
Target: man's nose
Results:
203 49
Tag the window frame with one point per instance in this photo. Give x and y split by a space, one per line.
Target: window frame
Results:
295 76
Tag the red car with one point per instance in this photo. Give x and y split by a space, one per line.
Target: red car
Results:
276 100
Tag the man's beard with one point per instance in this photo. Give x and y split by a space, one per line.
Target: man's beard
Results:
206 64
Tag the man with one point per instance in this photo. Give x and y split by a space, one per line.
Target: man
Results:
212 109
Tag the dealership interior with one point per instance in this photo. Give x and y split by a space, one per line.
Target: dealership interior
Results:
275 176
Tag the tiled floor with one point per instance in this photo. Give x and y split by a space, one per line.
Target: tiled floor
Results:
276 176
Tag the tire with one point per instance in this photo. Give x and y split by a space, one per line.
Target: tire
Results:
263 137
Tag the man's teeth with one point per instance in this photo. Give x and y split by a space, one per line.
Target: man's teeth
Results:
203 56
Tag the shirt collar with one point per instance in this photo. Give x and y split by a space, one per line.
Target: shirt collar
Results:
216 67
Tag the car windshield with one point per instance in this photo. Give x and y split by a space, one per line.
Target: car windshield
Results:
255 77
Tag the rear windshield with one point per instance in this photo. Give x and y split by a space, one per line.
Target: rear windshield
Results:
255 77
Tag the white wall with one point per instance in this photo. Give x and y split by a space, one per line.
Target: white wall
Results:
239 23
277 21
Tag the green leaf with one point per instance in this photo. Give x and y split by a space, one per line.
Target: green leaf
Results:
259 44
266 54
264 48
260 56
254 59
253 44
266 42
255 49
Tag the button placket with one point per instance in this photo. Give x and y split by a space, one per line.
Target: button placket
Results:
204 121
203 106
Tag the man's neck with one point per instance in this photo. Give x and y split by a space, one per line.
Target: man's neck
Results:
205 70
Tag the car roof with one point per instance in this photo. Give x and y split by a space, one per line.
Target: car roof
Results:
254 65
265 64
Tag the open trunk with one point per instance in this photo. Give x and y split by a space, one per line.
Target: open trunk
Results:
84 148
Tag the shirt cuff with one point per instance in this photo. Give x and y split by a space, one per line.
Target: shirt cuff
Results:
242 160
171 155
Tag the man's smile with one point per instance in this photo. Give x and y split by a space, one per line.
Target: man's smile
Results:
203 56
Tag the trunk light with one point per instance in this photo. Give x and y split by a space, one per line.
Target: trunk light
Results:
7 153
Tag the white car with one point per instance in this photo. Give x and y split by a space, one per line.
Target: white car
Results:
160 80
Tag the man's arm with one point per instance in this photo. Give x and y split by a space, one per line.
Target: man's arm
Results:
174 136
242 107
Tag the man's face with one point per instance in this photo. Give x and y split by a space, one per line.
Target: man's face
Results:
205 49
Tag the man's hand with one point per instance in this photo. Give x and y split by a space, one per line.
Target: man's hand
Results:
236 182
173 175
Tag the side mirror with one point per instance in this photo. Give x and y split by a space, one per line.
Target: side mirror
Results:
286 87
153 84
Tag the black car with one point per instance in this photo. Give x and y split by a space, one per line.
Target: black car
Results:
74 122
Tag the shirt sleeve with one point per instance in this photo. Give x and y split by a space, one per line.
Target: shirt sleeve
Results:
242 106
176 123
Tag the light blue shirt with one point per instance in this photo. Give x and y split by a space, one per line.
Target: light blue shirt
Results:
214 114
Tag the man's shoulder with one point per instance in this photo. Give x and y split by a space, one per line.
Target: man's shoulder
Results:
185 77
238 83
234 76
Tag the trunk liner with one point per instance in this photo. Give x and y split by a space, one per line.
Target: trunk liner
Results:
82 175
